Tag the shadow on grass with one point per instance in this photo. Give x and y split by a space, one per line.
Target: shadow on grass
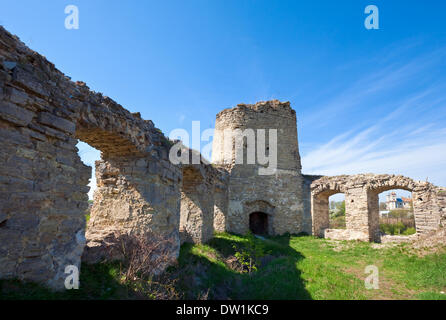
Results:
97 282
205 270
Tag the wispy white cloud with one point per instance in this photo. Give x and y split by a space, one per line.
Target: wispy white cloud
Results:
419 153
409 139
378 83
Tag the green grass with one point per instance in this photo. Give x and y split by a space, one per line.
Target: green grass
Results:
298 267
100 282
431 296
311 268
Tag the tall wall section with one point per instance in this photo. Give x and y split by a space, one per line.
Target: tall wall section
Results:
44 184
197 204
134 196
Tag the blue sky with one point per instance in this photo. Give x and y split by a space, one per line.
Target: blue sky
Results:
366 100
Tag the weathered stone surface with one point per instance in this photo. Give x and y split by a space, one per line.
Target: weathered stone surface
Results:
279 195
12 113
44 184
197 204
132 204
221 201
362 204
57 122
339 234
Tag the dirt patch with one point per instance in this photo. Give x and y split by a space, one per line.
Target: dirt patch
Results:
339 245
388 289
233 263
429 244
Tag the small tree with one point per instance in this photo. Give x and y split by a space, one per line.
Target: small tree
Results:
340 209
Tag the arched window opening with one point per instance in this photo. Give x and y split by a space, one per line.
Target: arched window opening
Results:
396 213
337 211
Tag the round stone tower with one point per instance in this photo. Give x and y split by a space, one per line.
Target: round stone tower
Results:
257 143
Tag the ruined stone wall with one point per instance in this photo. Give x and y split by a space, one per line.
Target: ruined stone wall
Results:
441 204
43 183
306 196
362 204
357 214
43 194
133 196
281 192
203 189
221 200
320 221
197 205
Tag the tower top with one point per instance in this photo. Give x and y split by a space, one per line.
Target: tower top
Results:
270 106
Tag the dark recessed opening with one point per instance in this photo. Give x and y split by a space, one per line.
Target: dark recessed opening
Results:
258 223
3 224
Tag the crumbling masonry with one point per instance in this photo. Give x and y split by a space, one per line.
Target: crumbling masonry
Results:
362 204
43 183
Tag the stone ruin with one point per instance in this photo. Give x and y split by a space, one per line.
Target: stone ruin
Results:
44 184
362 204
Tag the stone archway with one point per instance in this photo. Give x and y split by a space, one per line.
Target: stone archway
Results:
263 217
44 184
320 195
423 202
362 208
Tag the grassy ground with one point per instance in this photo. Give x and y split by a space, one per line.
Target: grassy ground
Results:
294 268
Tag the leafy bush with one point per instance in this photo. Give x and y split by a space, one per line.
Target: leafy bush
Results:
396 229
409 231
400 213
250 254
338 209
337 215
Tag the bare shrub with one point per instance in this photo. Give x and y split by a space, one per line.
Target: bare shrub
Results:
144 255
144 259
203 295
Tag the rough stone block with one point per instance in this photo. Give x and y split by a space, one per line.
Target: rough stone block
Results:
17 115
57 122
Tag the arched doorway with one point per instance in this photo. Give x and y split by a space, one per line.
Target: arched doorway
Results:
258 223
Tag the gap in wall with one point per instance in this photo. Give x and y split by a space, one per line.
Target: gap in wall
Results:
396 212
